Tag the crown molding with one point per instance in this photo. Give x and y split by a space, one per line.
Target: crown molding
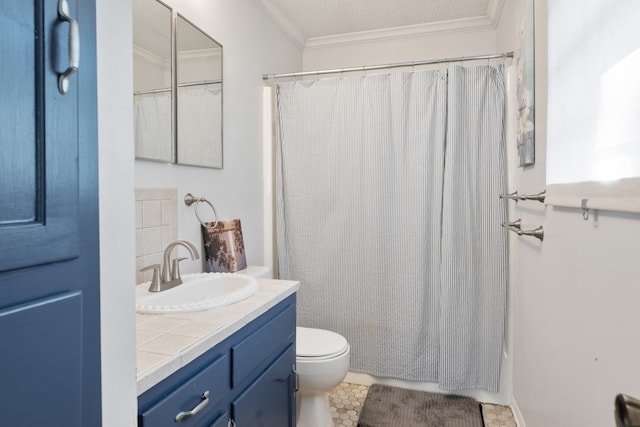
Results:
200 55
150 57
409 31
288 28
298 38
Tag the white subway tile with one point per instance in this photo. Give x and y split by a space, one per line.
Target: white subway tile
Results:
151 240
138 214
151 213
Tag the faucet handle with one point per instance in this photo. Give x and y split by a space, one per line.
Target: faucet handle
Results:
155 281
175 268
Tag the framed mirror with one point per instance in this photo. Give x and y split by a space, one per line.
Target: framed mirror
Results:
199 94
177 88
152 81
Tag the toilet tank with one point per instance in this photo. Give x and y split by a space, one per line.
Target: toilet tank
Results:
257 271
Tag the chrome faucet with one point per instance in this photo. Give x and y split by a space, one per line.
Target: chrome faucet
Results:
169 276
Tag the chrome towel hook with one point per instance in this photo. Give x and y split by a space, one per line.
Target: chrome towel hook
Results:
514 226
515 196
538 196
512 196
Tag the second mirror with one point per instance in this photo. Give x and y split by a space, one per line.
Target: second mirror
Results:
152 80
199 97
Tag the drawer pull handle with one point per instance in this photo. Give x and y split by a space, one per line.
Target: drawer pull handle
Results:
203 402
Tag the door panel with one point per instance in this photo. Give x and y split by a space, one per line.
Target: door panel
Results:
41 337
19 121
39 139
49 257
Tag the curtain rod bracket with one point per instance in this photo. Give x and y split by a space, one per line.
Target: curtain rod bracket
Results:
585 209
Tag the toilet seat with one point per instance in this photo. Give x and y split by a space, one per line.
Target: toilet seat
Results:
319 344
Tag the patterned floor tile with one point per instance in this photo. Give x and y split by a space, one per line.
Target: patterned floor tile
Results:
497 416
345 402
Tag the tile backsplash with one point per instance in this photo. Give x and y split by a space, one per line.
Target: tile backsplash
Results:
156 227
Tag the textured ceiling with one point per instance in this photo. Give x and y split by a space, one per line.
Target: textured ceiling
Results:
318 18
152 27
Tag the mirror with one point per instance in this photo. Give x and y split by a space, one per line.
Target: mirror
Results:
186 131
152 79
199 69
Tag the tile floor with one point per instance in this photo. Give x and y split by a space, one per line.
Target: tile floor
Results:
347 400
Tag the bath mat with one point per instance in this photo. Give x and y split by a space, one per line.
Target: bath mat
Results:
387 406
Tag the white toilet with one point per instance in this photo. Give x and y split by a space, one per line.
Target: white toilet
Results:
257 271
322 362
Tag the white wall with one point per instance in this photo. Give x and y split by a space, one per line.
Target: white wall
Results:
117 214
575 296
252 46
411 47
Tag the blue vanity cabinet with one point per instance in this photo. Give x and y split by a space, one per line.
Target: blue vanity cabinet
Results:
267 401
246 380
203 393
263 370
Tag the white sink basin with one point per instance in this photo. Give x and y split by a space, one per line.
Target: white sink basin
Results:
198 292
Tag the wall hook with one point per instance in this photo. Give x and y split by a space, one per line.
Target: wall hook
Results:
585 210
516 224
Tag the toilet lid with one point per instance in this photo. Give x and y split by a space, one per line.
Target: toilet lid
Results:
312 342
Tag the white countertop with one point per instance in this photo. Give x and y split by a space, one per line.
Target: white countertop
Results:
166 343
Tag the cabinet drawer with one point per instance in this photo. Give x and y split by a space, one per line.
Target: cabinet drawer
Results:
262 345
214 378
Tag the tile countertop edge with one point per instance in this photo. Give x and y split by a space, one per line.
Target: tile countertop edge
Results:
176 361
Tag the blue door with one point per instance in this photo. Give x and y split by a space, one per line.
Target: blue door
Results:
49 260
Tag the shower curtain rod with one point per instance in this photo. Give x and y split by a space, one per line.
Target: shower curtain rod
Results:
388 66
202 83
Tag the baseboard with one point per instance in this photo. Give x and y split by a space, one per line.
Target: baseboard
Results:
359 378
516 413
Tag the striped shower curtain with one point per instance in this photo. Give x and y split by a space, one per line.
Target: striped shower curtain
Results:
152 126
200 124
388 215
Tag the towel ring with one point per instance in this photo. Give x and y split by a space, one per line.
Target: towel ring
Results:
189 200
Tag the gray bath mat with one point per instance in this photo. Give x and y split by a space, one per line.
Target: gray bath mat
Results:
387 406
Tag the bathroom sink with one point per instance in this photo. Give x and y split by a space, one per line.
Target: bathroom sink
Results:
198 292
